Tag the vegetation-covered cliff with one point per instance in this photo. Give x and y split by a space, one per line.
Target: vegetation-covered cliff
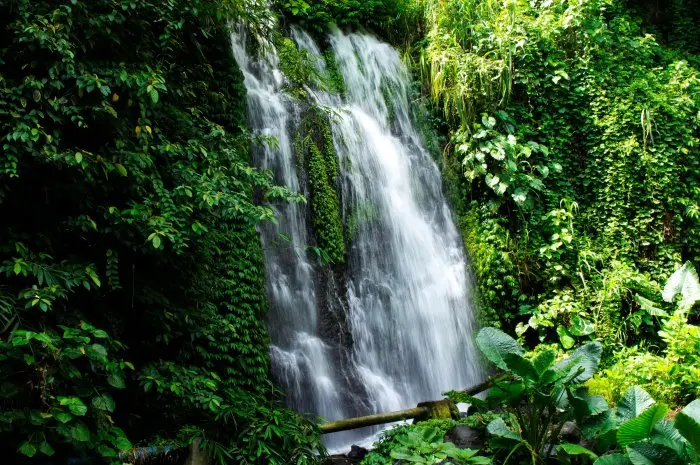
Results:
132 276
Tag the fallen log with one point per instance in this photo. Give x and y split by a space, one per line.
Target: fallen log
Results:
371 420
424 410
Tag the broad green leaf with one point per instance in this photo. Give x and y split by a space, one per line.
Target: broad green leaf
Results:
613 459
585 405
80 432
649 306
565 338
27 449
688 424
106 451
544 360
116 380
648 453
122 443
99 333
120 168
63 417
103 402
580 326
640 427
599 425
499 428
582 362
46 449
520 366
455 452
395 454
666 434
633 402
96 351
520 195
492 181
683 281
510 393
77 407
495 344
576 449
429 434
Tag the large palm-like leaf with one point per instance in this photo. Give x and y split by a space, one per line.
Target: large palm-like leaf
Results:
688 424
613 459
683 281
648 453
634 401
496 345
581 364
640 427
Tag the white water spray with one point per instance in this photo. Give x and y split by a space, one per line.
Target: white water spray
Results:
406 292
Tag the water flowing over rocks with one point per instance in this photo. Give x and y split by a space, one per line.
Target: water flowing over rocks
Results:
392 325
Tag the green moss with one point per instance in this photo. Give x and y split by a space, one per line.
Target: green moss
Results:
296 65
389 94
334 78
362 214
315 152
491 251
325 205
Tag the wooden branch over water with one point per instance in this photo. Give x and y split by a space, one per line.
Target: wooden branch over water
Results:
371 420
424 410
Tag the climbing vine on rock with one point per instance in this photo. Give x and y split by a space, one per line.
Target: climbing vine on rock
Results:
315 148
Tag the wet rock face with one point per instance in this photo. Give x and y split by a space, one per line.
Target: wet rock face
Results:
357 452
353 457
341 460
465 437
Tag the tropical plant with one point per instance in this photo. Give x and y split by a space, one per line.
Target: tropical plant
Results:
538 396
673 374
428 448
556 112
641 435
422 443
132 294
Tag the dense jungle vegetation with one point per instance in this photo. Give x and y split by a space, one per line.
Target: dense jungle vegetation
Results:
132 277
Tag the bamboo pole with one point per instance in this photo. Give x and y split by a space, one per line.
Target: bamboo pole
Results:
423 410
371 420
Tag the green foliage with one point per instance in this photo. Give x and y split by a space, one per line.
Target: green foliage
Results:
132 291
637 433
572 159
683 282
334 78
674 374
315 149
296 65
320 15
421 443
538 396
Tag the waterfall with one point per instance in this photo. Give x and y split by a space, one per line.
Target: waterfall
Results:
401 306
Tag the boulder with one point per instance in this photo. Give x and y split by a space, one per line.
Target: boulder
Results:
465 437
356 452
570 432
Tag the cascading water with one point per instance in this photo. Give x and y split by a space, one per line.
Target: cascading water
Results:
299 356
405 290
